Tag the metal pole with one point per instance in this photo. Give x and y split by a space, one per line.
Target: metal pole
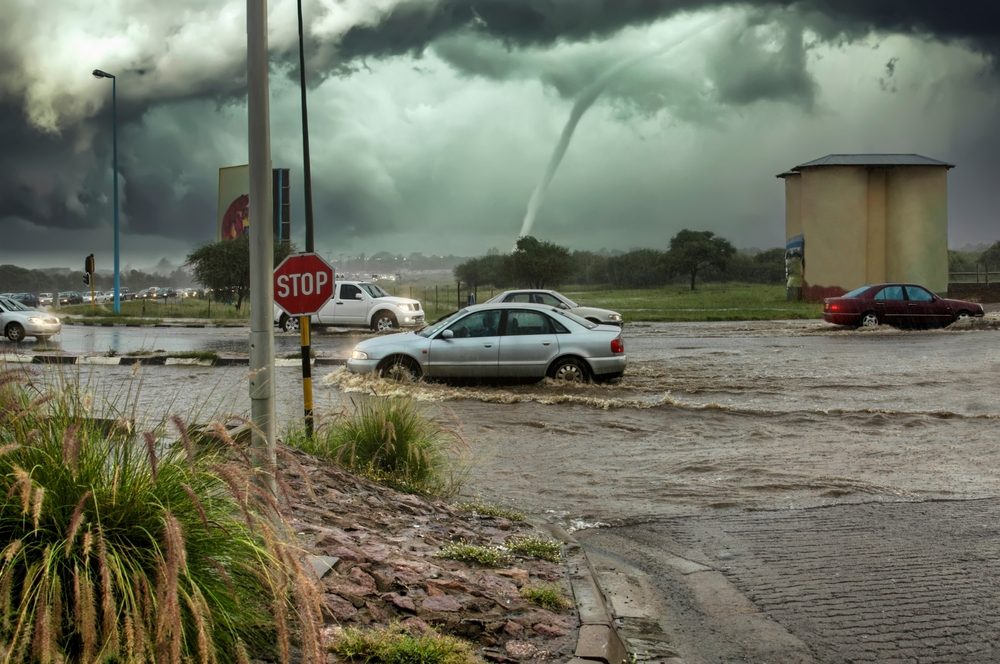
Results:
304 327
261 245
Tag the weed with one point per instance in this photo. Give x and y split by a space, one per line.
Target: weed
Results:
535 547
394 645
547 596
487 510
487 556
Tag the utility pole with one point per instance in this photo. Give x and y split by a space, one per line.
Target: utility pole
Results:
261 246
304 331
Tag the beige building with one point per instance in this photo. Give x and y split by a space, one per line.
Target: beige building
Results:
869 218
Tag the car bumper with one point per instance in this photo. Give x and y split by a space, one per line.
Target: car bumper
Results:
42 329
361 366
608 365
841 319
411 320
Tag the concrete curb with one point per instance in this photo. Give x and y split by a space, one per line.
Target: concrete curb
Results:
156 360
598 640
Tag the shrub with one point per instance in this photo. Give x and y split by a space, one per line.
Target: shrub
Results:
126 550
388 441
488 510
487 556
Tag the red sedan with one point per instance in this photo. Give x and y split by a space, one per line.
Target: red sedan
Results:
901 305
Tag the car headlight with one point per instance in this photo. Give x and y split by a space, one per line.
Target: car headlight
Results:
359 355
615 317
38 321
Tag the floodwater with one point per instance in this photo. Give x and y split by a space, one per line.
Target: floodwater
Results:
708 417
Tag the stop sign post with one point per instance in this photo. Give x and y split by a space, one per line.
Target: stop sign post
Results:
303 283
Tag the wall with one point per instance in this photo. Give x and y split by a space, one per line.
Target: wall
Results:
917 226
834 224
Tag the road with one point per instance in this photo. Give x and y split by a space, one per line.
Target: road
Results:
752 492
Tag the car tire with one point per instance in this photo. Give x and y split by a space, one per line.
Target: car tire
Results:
569 369
400 368
14 332
962 315
289 323
384 321
868 319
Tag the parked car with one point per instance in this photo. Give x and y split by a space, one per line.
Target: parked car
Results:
27 299
18 321
359 304
499 340
70 297
901 305
556 299
45 299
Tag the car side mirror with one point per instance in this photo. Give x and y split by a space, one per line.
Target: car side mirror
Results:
359 296
447 334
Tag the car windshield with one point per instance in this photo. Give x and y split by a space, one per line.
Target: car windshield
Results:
12 305
374 290
434 328
856 292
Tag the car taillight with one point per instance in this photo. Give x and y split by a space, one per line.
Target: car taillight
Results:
833 307
617 345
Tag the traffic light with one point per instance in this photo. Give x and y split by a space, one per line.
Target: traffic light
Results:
86 279
88 264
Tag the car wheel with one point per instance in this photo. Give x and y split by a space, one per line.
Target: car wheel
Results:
290 323
399 368
962 315
570 370
869 319
14 331
383 321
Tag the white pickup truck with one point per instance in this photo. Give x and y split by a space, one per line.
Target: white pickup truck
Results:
359 304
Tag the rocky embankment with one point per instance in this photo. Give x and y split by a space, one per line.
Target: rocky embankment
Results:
374 549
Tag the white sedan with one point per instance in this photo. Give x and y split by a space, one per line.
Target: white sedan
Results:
556 299
18 321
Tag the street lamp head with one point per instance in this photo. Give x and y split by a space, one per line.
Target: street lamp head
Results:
98 73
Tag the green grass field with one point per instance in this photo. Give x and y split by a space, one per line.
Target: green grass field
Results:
710 302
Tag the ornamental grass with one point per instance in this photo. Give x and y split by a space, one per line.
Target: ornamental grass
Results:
118 547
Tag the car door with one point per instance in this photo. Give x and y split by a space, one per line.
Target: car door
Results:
528 344
890 304
468 348
344 308
923 310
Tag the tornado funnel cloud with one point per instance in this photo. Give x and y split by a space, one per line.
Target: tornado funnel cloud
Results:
580 107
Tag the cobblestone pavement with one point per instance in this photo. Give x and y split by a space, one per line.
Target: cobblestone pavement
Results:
914 582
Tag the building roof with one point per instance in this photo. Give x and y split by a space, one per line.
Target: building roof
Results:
878 160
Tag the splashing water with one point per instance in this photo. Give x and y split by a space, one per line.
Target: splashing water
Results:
582 104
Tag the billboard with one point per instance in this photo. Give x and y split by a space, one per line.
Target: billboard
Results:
234 203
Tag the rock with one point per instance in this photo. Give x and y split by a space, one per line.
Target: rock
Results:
442 603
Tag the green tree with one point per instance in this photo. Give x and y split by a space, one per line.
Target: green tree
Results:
991 257
693 251
481 271
225 265
537 264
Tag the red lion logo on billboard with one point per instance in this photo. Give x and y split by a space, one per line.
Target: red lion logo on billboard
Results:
236 221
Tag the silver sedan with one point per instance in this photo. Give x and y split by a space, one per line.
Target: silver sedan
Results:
501 340
18 321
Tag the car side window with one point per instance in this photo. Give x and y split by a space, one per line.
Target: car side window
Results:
545 298
521 323
349 291
478 324
918 294
518 297
889 293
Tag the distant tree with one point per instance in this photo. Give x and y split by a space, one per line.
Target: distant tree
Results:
991 257
589 268
225 265
639 268
693 251
481 271
537 264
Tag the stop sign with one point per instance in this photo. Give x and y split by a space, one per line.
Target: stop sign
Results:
302 284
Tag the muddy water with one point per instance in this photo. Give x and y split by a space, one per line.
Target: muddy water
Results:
724 416
708 417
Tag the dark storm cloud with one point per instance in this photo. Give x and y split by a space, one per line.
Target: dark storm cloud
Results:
56 148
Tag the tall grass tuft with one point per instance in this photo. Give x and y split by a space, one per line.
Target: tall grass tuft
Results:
389 441
116 549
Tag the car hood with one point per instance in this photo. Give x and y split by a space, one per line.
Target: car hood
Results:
962 304
393 299
393 342
593 311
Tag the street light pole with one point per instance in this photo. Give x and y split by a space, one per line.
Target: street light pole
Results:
114 174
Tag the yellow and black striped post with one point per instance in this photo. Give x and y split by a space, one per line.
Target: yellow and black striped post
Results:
307 386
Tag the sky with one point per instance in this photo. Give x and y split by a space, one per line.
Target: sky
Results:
436 125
